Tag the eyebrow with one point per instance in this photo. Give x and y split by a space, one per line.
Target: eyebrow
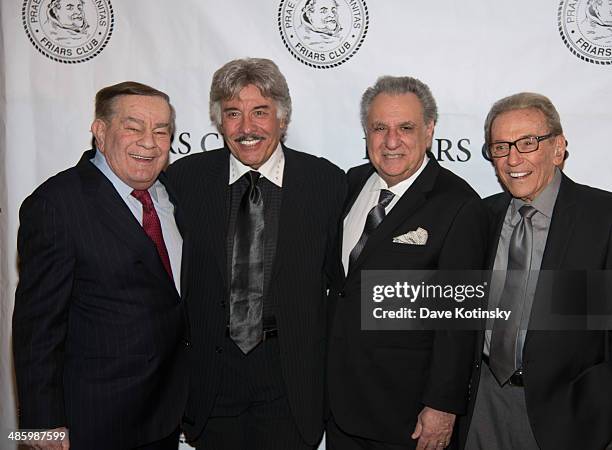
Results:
402 124
521 137
231 108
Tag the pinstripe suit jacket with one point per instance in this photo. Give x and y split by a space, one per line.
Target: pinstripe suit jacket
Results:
312 196
98 326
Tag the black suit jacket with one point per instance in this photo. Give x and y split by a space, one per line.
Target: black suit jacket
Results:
312 196
567 374
98 326
378 381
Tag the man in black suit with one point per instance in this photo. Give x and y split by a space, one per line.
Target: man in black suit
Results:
535 384
261 220
399 389
99 328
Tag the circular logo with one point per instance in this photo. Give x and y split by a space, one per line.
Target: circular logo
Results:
586 28
68 31
323 33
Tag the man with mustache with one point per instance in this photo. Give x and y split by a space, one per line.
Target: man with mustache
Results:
261 221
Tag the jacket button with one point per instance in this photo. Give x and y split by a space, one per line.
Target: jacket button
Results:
341 294
219 349
186 343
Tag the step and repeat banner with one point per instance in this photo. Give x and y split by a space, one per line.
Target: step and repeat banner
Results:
57 54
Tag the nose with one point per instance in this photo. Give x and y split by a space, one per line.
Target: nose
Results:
392 139
514 157
246 124
147 140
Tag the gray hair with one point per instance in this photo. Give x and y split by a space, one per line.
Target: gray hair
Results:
524 100
398 86
262 73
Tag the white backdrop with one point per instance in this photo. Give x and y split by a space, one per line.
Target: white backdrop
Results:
471 53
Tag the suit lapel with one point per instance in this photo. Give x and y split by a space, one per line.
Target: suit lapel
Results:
561 225
293 198
109 209
412 199
180 224
498 214
354 192
559 235
215 210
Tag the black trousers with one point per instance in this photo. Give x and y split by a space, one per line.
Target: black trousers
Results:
336 439
251 411
170 442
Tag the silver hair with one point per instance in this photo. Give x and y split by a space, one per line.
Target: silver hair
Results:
398 86
524 100
262 73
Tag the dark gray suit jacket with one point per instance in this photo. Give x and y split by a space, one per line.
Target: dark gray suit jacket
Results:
98 326
567 373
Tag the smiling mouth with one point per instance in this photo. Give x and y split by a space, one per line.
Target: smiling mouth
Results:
393 155
249 141
141 158
518 175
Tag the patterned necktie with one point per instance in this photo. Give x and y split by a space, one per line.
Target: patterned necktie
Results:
152 226
504 338
374 218
247 283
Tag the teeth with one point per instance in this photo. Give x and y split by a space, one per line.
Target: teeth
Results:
393 156
144 158
518 174
249 142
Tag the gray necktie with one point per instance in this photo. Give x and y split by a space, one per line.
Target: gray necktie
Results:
374 218
504 337
246 289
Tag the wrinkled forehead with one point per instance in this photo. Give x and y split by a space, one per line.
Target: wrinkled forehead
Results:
523 116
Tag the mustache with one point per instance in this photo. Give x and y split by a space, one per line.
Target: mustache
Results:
249 137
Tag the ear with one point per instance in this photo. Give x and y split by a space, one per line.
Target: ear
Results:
98 129
429 130
559 154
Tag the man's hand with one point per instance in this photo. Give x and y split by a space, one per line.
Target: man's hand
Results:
433 429
49 441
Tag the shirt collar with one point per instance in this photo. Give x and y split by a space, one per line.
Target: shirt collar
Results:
272 169
545 202
123 189
400 188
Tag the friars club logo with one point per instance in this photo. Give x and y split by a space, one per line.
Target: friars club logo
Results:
68 31
586 29
323 33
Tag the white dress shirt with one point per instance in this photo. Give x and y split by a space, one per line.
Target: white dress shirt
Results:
354 221
163 207
272 169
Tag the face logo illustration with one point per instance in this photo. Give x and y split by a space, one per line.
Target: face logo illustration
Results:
323 33
68 31
586 29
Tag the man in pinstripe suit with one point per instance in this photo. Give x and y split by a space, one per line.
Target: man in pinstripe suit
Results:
99 329
264 392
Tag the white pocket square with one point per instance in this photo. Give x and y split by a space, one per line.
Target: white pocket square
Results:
416 237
